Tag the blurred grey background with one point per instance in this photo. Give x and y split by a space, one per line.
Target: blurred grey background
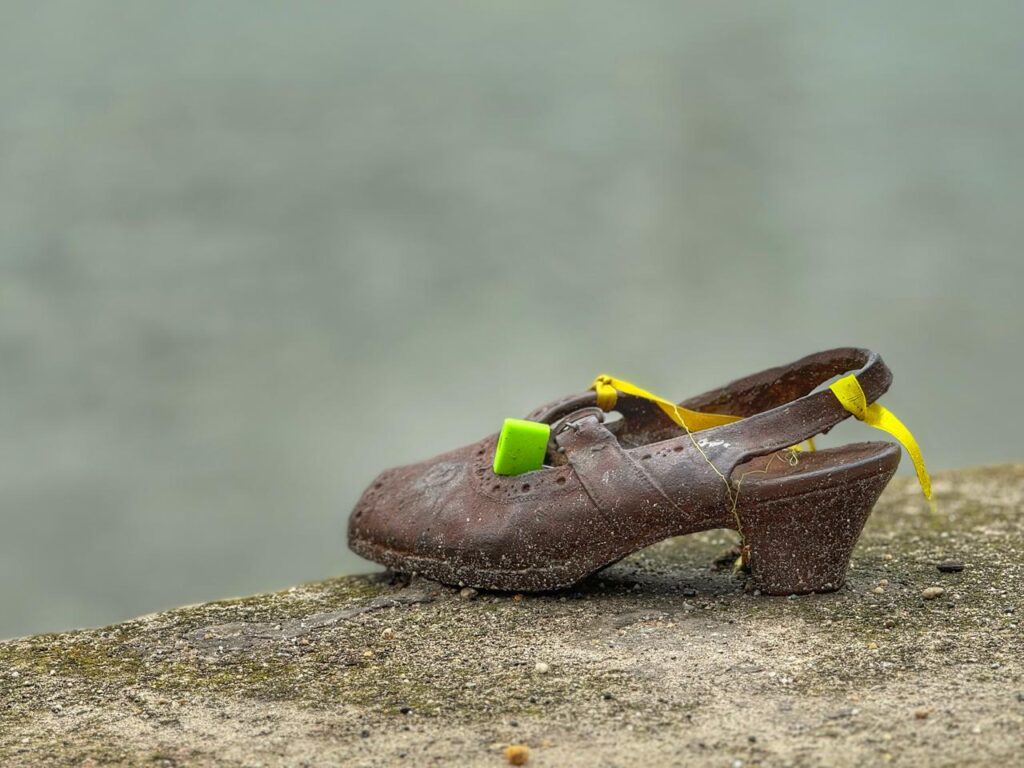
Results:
251 253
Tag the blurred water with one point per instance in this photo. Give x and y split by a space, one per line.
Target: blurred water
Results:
252 253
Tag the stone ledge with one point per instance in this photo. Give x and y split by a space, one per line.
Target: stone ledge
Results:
662 660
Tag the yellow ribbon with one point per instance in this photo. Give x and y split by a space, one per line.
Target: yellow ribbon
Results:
850 394
847 390
608 388
811 447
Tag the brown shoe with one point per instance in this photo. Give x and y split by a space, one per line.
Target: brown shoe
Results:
611 489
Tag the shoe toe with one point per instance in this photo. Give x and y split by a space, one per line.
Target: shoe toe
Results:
401 505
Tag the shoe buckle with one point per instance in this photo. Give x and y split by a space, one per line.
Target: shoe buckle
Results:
573 420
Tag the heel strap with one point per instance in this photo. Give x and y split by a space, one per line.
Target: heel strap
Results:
793 422
783 384
853 395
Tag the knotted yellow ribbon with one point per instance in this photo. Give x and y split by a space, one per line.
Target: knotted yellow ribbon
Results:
608 388
847 390
850 394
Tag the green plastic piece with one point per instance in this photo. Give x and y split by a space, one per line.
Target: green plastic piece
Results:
521 447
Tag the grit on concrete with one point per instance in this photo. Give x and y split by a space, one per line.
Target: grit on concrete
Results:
663 659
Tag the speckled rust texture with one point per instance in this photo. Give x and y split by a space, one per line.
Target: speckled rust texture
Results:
612 489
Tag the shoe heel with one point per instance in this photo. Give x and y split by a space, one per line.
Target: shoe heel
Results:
803 543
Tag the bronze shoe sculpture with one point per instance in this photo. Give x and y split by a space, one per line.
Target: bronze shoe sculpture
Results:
610 489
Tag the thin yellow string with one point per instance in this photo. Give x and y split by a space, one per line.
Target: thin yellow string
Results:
851 396
793 458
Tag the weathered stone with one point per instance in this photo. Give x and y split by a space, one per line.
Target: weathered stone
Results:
365 671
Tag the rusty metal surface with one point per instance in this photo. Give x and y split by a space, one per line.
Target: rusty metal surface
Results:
609 493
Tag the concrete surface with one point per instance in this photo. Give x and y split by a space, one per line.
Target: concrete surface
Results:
663 659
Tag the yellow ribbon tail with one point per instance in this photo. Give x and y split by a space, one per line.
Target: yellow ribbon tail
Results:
850 394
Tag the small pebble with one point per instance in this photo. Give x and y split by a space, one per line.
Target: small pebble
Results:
921 713
541 668
879 590
950 566
468 593
517 754
930 593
